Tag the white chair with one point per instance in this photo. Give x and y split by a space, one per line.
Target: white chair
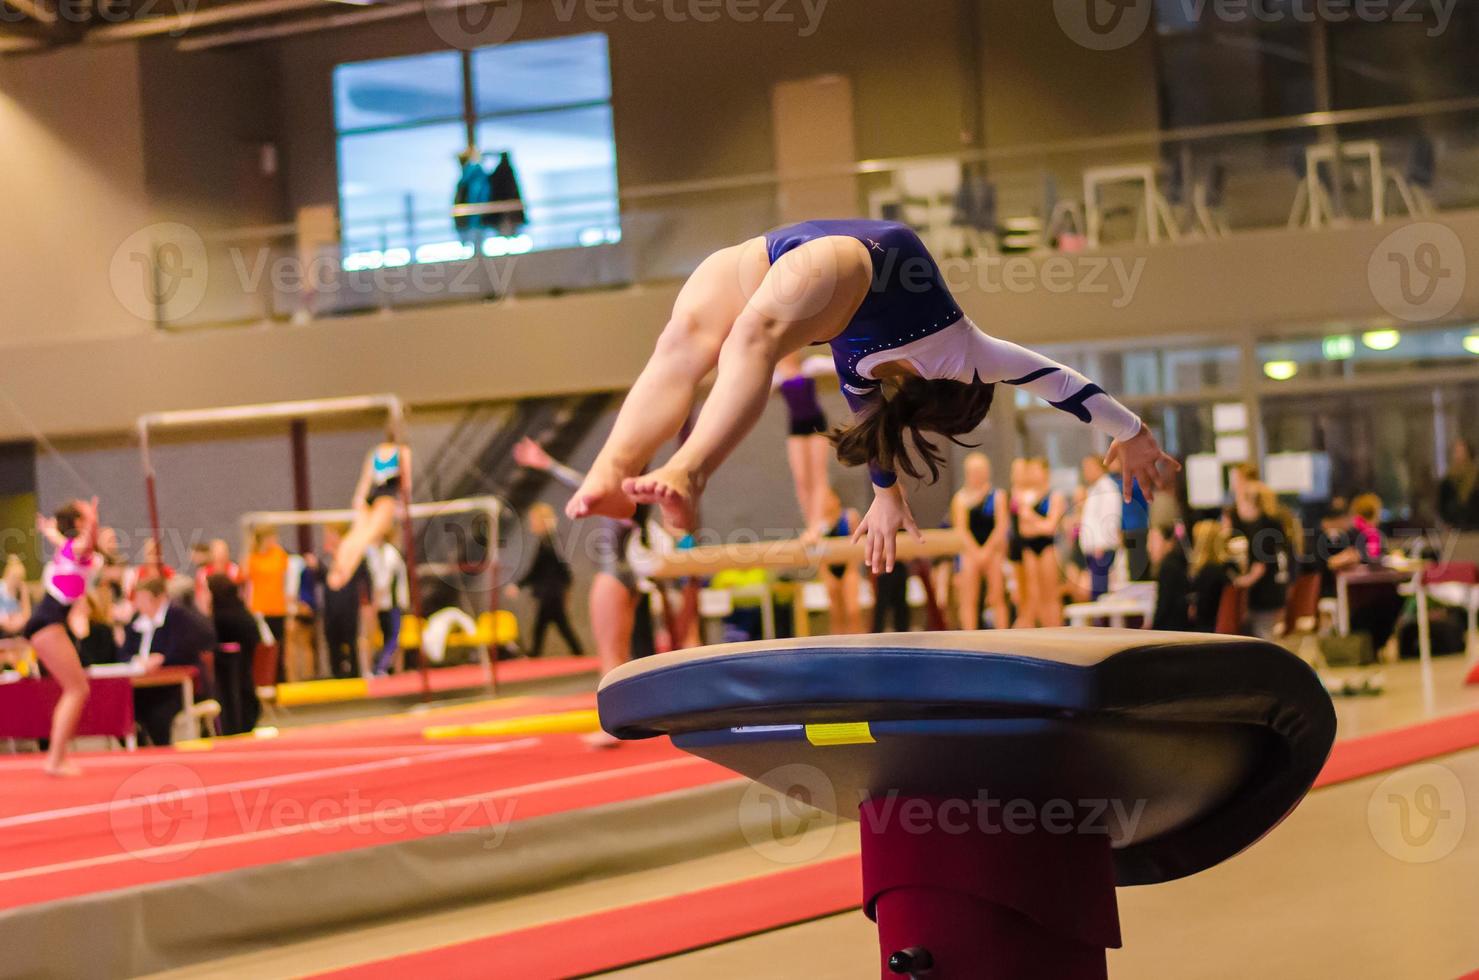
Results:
1153 218
923 197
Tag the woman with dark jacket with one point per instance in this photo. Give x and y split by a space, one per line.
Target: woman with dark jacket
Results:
548 581
237 636
1458 494
1172 603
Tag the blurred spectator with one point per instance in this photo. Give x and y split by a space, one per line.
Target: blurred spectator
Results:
341 611
390 595
1458 494
1267 552
237 638
548 582
164 634
199 571
15 598
1211 570
1134 527
1077 578
503 188
97 639
1101 528
1172 580
1366 527
217 562
302 639
267 585
152 566
473 189
1334 550
221 563
891 600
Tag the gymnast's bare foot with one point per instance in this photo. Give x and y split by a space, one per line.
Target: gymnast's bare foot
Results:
64 770
674 490
601 495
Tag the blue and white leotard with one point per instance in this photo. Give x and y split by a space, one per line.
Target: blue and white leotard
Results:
909 314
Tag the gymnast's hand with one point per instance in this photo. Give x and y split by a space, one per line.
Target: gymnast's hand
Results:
879 528
1142 461
529 453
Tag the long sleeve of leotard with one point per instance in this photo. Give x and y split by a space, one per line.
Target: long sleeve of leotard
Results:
992 360
970 355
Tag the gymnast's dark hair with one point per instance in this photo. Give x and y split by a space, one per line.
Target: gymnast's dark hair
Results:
68 516
909 408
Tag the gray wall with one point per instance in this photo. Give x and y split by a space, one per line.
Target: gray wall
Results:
71 150
599 341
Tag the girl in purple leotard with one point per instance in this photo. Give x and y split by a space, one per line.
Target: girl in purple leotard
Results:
909 361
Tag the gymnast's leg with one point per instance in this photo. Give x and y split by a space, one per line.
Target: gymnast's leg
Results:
656 407
968 589
57 654
808 295
371 524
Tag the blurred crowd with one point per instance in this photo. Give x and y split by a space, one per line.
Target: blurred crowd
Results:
243 622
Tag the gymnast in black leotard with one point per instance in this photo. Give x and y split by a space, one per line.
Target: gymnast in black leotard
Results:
979 513
1038 511
843 582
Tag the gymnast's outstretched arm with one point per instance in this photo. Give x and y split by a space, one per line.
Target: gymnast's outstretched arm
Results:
990 359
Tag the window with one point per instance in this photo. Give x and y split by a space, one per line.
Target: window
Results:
1252 64
402 123
1364 349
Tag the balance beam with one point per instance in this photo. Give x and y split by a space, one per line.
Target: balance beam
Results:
791 553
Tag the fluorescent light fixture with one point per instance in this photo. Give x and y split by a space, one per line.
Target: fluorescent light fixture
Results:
1471 343
1339 347
443 252
503 245
1280 370
359 261
1381 339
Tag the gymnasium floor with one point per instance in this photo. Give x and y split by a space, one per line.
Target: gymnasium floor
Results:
648 865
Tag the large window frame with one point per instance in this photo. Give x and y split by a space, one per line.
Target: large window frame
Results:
412 232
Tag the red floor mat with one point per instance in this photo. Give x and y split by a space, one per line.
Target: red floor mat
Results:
1353 758
153 816
636 933
650 930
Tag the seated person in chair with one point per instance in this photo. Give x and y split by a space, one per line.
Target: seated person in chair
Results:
165 634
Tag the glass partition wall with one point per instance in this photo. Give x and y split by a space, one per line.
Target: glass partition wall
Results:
1379 405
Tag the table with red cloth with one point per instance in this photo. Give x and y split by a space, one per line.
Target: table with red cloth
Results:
26 705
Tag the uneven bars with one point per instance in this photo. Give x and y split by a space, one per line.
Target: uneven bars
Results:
491 506
391 404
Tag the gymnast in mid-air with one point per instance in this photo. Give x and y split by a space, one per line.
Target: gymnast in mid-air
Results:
384 479
909 361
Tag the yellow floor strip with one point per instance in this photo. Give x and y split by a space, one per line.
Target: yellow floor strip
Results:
564 722
322 692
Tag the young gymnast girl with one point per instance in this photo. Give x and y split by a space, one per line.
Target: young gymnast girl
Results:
807 449
979 513
909 361
385 474
66 580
